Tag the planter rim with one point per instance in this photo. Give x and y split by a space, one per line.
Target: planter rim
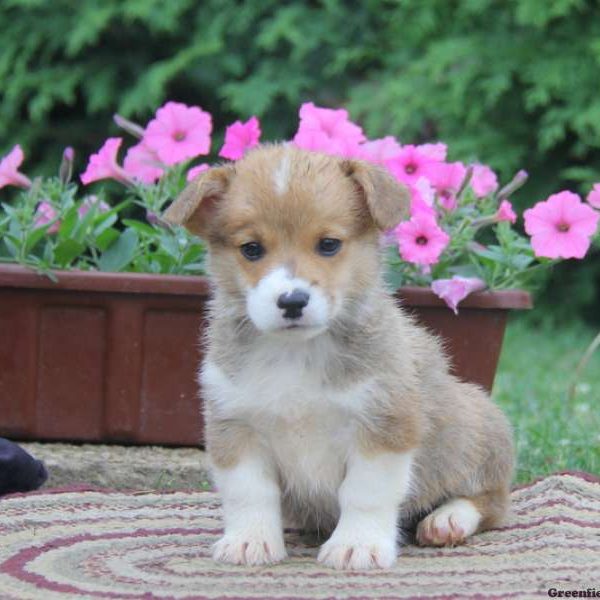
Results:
502 299
16 276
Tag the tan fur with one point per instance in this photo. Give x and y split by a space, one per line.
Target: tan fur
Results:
227 440
462 441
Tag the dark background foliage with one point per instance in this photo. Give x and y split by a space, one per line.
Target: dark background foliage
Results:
513 83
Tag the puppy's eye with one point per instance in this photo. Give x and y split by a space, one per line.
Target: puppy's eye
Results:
252 251
328 246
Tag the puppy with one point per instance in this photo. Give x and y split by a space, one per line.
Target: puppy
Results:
324 402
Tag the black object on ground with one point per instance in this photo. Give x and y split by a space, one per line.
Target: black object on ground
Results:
19 471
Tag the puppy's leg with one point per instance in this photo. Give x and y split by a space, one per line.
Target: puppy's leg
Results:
370 495
458 518
252 509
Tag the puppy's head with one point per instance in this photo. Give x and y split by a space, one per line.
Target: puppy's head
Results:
293 234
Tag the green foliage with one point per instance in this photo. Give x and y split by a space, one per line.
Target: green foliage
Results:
510 82
87 234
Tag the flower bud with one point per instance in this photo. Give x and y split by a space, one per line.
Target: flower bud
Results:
465 182
152 217
129 126
156 220
65 172
517 181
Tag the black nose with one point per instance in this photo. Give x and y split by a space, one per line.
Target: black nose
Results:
293 303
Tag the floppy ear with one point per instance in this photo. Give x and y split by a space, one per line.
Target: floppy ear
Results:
388 200
194 208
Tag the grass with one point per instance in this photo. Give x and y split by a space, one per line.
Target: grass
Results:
537 366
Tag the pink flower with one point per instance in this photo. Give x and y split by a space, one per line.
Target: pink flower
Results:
421 240
328 130
45 214
483 181
452 291
69 154
437 151
378 151
561 226
422 196
195 171
408 165
143 164
90 201
505 212
179 132
446 178
240 137
103 164
593 198
9 169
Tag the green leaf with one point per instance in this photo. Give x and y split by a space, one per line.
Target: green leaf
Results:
120 254
35 236
195 267
170 244
67 250
101 225
141 227
521 261
106 238
11 246
68 224
193 254
493 253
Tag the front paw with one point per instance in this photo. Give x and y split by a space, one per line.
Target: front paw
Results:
348 552
249 549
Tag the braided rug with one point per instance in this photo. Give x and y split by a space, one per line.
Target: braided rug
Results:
76 543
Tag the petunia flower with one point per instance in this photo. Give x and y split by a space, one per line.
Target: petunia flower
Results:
446 179
422 196
505 212
103 164
143 164
380 150
409 164
328 130
9 169
239 138
561 226
179 132
45 214
453 291
421 240
593 198
437 151
195 171
483 181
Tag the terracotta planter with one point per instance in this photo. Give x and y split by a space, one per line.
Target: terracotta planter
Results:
112 357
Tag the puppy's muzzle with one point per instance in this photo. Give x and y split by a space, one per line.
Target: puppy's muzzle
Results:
293 303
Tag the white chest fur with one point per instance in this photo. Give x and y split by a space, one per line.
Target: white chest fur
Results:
308 428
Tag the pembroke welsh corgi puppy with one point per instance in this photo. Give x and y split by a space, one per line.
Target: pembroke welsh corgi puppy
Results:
324 402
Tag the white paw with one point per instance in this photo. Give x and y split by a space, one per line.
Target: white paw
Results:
249 549
350 553
449 525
